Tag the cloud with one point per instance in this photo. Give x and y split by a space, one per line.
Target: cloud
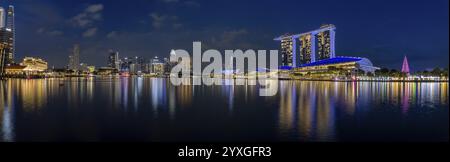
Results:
157 20
44 31
94 8
40 30
88 17
55 33
112 35
160 21
90 32
177 25
149 43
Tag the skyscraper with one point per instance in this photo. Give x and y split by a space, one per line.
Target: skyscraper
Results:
10 35
323 44
405 66
309 47
10 20
140 63
157 66
113 59
287 52
306 49
3 43
74 59
2 17
2 59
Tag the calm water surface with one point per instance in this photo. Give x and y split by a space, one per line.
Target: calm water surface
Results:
145 109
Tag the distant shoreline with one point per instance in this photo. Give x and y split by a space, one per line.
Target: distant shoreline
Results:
280 79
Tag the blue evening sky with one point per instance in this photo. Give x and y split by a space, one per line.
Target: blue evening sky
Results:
381 30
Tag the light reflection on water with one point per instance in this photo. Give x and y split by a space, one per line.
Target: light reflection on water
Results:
301 111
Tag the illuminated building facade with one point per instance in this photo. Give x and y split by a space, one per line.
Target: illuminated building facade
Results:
74 58
34 65
10 18
30 66
140 64
7 33
106 71
91 69
324 45
2 58
305 50
157 66
3 43
147 67
2 17
309 47
125 64
133 65
287 58
15 70
342 64
11 35
133 68
6 38
113 59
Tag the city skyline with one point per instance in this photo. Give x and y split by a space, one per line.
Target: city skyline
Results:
153 28
224 79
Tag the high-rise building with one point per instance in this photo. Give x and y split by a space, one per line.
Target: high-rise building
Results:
157 66
74 58
113 60
287 52
147 66
10 19
323 45
6 38
3 42
309 47
306 49
2 17
125 64
133 68
140 63
136 65
2 58
405 66
10 35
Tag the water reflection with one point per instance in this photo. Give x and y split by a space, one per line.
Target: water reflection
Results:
308 110
304 111
228 91
158 93
7 112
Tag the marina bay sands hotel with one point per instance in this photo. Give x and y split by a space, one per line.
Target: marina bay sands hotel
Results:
308 47
315 50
